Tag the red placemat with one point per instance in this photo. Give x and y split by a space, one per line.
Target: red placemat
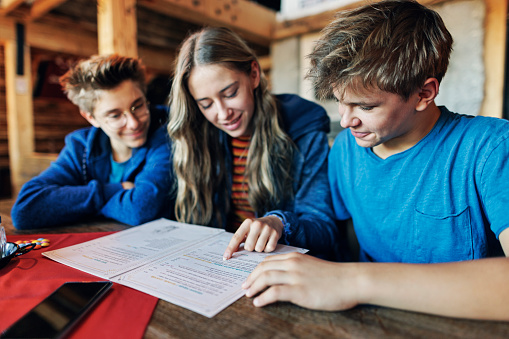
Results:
29 278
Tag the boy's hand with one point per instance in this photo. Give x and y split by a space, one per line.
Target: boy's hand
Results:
303 280
127 185
258 235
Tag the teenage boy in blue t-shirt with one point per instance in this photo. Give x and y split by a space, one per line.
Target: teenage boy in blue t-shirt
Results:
421 184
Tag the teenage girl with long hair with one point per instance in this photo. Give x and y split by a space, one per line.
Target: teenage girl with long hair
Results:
246 160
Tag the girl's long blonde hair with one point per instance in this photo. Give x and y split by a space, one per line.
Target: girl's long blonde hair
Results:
198 155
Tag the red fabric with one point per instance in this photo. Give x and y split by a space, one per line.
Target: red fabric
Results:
29 278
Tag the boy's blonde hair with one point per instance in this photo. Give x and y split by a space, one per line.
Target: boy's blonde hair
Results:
83 82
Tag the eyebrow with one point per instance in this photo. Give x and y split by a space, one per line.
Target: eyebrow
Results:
118 109
362 103
221 91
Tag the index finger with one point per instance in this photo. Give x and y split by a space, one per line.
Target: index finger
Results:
235 241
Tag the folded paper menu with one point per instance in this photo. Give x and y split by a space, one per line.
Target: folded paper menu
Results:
180 263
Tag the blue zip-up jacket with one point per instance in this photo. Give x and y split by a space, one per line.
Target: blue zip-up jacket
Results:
76 186
308 217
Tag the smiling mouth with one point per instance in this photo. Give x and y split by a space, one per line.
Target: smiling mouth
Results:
136 134
359 134
233 122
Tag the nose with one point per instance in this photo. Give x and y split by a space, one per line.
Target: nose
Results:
348 118
223 112
132 121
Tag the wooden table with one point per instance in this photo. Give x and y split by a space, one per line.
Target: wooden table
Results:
285 320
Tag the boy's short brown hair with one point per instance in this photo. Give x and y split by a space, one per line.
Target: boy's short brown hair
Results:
393 45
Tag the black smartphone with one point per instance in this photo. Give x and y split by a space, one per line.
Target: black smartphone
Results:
54 316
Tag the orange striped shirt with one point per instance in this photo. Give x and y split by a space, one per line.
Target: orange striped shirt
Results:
240 189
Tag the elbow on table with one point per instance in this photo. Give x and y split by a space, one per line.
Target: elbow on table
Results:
21 222
17 218
24 221
26 216
23 212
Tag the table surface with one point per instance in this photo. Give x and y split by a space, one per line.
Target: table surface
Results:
285 320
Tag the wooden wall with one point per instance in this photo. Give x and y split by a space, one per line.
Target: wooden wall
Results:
5 181
54 116
53 120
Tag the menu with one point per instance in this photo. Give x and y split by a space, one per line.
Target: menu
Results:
177 262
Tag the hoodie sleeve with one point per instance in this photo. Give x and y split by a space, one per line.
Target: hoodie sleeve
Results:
151 196
59 195
310 224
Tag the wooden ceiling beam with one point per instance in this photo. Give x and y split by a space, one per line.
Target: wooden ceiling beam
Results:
41 7
54 38
251 20
7 6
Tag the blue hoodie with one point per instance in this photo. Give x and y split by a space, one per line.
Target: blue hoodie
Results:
76 185
308 217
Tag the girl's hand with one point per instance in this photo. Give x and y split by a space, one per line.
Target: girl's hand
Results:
260 235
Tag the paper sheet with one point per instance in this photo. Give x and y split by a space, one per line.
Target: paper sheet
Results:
117 253
180 263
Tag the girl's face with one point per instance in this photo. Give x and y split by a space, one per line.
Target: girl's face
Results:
226 96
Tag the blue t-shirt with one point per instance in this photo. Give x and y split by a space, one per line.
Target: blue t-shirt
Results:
117 170
444 199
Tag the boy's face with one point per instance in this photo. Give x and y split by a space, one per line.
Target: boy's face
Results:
123 114
381 120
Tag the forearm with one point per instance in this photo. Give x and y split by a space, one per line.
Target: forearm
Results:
145 202
472 289
41 204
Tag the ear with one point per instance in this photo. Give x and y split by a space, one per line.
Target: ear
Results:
90 118
255 74
427 94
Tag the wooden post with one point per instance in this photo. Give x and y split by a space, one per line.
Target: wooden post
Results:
20 125
116 27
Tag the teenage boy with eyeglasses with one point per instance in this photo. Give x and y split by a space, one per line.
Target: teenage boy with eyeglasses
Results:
119 168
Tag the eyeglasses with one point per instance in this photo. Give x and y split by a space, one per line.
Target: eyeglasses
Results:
139 111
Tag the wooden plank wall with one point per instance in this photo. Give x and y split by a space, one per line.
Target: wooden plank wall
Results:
54 115
4 150
5 182
53 120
